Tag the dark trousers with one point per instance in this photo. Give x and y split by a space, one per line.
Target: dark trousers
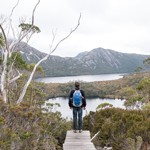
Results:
77 118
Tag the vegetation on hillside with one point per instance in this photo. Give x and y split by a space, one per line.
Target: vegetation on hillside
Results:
120 129
27 127
102 89
27 124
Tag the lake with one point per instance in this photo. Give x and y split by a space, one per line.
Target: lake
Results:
91 105
86 78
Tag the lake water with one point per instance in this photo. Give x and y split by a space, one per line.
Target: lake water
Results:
86 78
91 105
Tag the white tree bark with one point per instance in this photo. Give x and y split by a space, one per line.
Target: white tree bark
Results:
3 77
8 49
6 77
43 59
15 78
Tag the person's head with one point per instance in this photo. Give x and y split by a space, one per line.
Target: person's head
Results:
77 85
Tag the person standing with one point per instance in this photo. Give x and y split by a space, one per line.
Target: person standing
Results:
77 102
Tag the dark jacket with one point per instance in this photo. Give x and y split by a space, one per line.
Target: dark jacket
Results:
71 99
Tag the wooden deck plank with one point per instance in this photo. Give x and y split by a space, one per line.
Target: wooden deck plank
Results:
78 141
74 148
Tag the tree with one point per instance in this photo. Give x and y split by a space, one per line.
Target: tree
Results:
138 69
147 61
103 106
127 92
10 73
144 88
135 102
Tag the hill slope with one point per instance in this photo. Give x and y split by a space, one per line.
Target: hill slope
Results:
96 61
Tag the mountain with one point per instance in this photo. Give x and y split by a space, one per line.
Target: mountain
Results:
96 61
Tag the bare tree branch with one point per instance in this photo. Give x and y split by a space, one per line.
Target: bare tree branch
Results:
12 64
10 20
14 8
95 136
34 69
22 36
15 78
67 35
2 19
34 12
5 39
53 39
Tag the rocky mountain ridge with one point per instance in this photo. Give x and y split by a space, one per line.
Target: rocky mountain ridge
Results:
96 61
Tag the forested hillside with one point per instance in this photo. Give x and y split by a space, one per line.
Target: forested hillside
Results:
102 89
26 125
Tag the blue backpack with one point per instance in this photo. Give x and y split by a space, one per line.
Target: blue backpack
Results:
77 98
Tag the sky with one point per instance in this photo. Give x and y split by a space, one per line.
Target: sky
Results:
120 25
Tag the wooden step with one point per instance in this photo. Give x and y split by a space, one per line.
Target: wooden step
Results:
78 141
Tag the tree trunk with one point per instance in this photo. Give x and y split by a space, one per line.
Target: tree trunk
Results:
4 77
29 80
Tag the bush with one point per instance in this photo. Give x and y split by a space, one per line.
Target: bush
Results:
117 126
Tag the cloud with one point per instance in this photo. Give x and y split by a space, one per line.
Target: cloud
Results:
112 24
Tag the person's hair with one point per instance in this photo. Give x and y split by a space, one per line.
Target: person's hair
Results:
77 84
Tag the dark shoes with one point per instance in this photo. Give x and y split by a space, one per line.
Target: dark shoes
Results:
80 131
75 131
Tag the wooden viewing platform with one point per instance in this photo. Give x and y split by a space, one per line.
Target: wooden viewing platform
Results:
78 141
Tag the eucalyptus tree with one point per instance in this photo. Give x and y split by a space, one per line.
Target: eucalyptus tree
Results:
10 69
11 60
